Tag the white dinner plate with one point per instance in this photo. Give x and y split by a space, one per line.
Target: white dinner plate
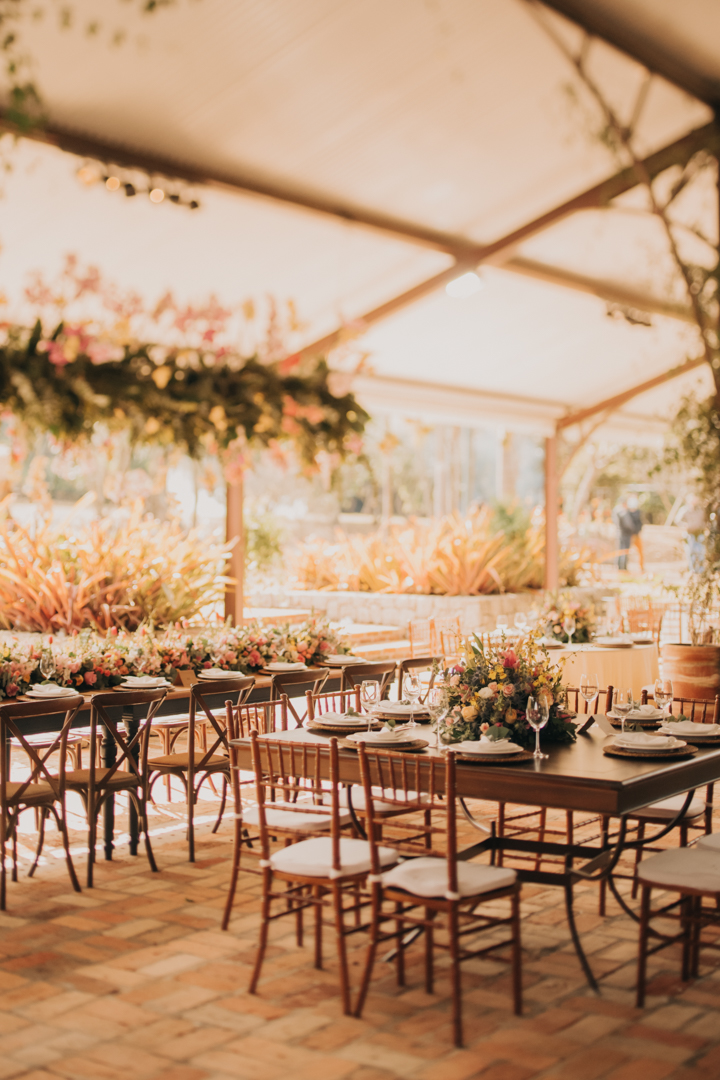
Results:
338 659
485 749
213 674
62 693
156 684
280 666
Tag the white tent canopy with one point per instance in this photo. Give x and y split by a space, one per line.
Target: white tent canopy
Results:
449 124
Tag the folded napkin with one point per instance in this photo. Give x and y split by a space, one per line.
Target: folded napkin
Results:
344 658
638 740
52 690
220 673
612 641
340 719
398 708
646 712
689 727
144 680
282 665
486 746
384 736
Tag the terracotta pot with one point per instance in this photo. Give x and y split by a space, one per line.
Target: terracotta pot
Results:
694 670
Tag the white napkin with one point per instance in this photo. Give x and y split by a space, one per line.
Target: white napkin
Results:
486 746
52 690
147 681
638 740
281 665
397 708
384 736
612 641
334 718
646 712
220 673
344 658
689 727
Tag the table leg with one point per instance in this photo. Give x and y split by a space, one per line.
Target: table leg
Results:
131 726
108 750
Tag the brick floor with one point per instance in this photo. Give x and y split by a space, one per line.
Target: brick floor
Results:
135 978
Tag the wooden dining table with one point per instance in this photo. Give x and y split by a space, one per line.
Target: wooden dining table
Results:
576 776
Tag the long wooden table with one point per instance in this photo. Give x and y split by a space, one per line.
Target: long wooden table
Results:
573 777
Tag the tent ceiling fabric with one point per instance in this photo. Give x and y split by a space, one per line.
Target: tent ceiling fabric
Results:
458 115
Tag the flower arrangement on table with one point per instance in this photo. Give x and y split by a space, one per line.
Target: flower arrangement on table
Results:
88 661
489 691
563 606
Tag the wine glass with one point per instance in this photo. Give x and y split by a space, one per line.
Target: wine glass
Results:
413 689
589 689
622 705
369 696
47 664
437 703
538 714
501 623
663 693
569 626
520 620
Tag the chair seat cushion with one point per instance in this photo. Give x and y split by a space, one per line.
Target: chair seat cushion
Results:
379 806
292 818
428 876
711 842
44 742
80 778
313 858
667 809
182 762
682 868
33 795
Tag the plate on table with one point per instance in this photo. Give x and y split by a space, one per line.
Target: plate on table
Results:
701 734
637 716
385 739
642 639
613 643
49 695
409 746
339 659
339 723
397 710
638 744
493 752
280 665
144 682
550 643
220 673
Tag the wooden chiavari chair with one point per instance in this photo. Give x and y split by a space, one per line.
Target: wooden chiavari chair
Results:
431 881
318 871
128 772
421 633
193 766
41 790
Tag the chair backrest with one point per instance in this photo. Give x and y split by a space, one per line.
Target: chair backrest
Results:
133 746
382 670
336 701
13 719
312 677
575 700
262 716
701 711
448 633
424 788
421 633
418 663
288 773
237 689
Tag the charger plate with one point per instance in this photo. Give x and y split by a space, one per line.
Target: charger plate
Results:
700 740
413 746
339 730
649 722
673 755
496 759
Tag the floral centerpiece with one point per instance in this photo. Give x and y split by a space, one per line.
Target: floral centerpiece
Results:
489 692
309 643
561 606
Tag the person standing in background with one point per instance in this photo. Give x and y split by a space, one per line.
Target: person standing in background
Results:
634 524
621 521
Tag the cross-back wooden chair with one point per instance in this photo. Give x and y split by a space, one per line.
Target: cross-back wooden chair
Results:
698 814
313 678
506 825
41 790
318 871
195 765
126 772
417 663
382 670
430 881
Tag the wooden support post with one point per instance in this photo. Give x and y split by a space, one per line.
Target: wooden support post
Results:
234 595
551 514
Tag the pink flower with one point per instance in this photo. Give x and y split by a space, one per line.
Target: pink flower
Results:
90 678
484 727
11 689
255 659
510 659
74 666
508 689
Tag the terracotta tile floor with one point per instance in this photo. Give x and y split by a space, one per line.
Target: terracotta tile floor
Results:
135 978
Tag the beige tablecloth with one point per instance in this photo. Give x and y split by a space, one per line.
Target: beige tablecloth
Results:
622 668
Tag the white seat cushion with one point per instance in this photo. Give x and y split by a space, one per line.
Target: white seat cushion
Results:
380 807
711 842
294 818
679 868
428 876
313 858
670 808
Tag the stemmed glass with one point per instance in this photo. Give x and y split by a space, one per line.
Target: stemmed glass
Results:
47 664
501 623
663 693
569 626
538 714
412 686
437 703
589 688
369 696
622 705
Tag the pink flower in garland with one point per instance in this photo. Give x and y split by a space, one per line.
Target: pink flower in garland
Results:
11 689
90 678
510 659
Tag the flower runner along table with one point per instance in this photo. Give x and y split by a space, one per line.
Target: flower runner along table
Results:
573 777
622 668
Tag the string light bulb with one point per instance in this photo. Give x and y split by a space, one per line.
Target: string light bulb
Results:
112 183
157 195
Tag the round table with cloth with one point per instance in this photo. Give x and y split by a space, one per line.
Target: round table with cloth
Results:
625 669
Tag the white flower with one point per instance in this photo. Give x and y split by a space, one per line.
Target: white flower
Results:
486 692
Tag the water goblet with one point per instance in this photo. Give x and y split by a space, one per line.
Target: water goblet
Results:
47 664
437 705
663 693
413 689
501 623
520 620
538 714
622 705
589 689
369 696
569 626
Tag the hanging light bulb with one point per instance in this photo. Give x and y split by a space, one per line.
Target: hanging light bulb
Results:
157 195
112 183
